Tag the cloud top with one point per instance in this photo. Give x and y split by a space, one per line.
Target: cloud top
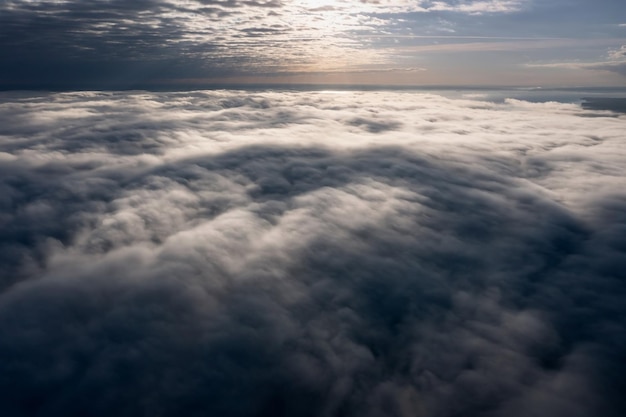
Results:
309 254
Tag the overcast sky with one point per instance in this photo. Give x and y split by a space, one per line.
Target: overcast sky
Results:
128 43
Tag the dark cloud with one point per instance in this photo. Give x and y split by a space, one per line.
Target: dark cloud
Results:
107 44
304 254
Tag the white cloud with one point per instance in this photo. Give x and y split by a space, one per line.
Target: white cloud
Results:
618 54
309 253
479 7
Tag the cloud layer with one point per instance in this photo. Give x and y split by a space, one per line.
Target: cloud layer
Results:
310 254
119 44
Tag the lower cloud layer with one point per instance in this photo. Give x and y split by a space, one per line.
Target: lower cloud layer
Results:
310 254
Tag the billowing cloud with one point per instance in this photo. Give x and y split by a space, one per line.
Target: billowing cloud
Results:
310 254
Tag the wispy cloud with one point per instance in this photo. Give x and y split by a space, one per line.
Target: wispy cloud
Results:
479 7
614 62
464 44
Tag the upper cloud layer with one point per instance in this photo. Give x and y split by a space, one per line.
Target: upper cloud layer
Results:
63 44
115 44
310 254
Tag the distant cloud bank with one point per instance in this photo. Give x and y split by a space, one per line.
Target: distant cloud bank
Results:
310 254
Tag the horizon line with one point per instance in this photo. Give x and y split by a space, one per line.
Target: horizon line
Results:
303 86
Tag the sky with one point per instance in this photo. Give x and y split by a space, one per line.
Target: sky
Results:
70 44
310 254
